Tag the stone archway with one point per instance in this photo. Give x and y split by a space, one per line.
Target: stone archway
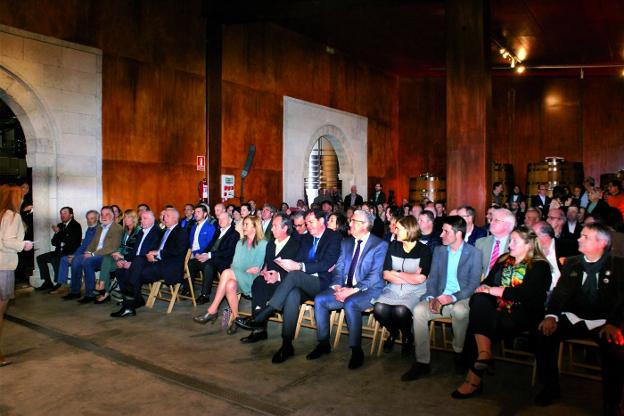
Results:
304 123
54 88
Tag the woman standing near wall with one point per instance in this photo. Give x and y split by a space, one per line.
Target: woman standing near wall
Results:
11 243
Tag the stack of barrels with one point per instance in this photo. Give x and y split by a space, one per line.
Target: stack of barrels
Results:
553 171
427 187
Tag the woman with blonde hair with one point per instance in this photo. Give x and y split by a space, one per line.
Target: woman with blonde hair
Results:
510 301
131 230
246 265
11 242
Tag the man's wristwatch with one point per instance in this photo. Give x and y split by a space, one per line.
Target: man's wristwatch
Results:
301 266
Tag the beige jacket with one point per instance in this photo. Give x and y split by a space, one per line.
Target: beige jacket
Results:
111 241
11 239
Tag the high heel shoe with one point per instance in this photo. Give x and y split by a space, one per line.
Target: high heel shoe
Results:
205 318
478 388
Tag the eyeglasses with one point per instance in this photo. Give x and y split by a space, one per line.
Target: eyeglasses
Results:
299 225
550 217
354 220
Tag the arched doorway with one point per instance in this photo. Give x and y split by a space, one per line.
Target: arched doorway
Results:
323 174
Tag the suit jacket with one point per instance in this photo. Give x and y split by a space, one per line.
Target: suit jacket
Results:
173 254
289 251
327 253
111 241
67 240
468 272
485 246
575 234
358 200
369 269
223 255
477 233
86 240
536 202
151 242
268 234
378 199
610 290
206 235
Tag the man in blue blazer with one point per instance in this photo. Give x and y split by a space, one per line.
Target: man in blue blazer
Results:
166 262
357 281
308 274
455 274
202 231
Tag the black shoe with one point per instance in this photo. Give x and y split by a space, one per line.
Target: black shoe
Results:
388 345
318 351
244 323
461 396
71 296
86 299
262 316
106 299
283 354
45 286
546 397
123 312
55 288
254 337
202 299
416 371
357 358
205 318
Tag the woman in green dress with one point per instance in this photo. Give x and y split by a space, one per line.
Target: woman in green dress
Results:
246 265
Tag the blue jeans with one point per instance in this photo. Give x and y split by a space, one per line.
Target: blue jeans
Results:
63 271
89 266
353 306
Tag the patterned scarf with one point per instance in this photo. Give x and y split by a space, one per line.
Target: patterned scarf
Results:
512 275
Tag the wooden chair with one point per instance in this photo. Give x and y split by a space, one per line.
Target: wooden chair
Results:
447 340
573 366
370 327
170 293
517 356
384 334
306 317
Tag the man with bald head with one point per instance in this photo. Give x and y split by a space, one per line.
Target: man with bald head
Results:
166 262
353 199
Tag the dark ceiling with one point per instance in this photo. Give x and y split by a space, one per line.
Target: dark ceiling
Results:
408 37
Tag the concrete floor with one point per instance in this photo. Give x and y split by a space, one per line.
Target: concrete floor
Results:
70 359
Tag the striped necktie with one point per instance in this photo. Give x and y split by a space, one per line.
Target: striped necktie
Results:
495 255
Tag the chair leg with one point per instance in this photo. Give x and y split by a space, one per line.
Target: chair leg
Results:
174 289
374 343
339 328
190 283
302 312
154 290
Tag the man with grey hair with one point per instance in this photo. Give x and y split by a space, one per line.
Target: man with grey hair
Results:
166 262
266 218
546 237
357 281
298 222
588 302
497 243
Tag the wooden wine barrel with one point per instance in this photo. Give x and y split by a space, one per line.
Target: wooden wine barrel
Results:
503 172
427 187
553 171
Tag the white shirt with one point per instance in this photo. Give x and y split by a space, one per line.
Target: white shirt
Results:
554 268
265 224
145 233
105 229
571 227
196 236
279 245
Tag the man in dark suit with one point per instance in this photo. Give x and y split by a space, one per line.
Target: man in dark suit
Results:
216 257
567 246
541 200
572 227
66 240
147 240
353 199
308 275
378 196
546 236
283 246
167 262
587 302
357 280
455 274
266 218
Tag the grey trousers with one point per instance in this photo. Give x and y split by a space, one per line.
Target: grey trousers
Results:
296 288
458 312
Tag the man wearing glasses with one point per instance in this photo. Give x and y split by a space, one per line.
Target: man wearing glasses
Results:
541 200
497 243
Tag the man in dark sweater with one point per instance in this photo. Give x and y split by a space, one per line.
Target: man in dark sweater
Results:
586 303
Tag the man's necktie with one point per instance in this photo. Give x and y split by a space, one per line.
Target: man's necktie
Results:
495 255
354 261
164 239
312 252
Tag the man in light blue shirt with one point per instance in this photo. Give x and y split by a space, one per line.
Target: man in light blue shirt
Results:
454 276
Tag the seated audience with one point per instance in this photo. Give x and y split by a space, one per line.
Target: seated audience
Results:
357 280
497 243
338 223
406 268
509 302
532 217
455 274
246 266
566 244
546 236
586 303
473 233
189 218
427 235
